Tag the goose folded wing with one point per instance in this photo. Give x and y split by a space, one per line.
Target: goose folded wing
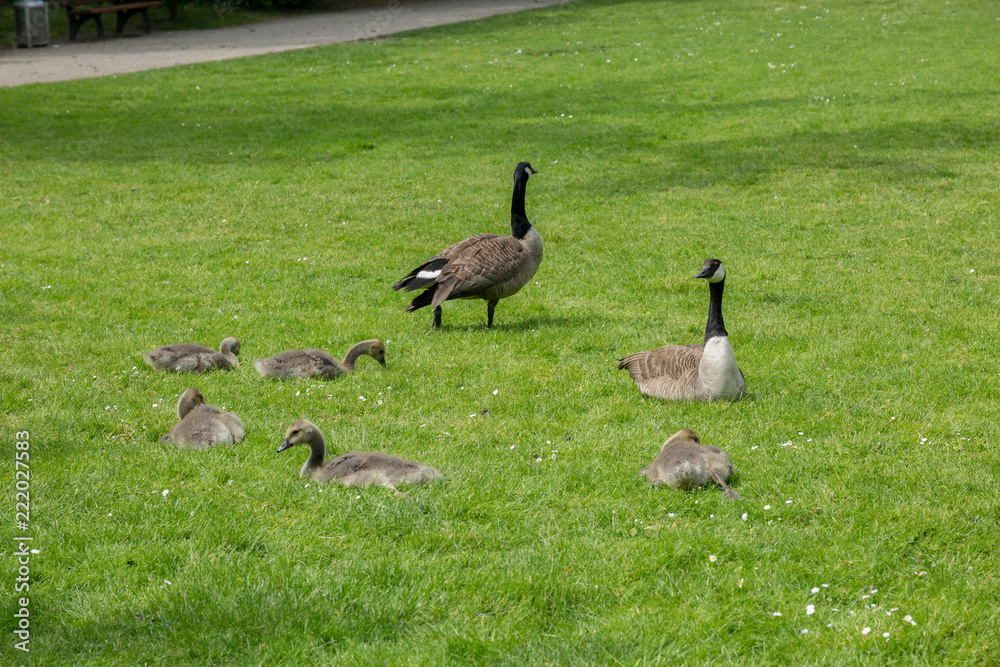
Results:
182 349
670 387
318 362
466 246
319 356
288 357
671 361
430 271
204 361
365 462
490 262
348 463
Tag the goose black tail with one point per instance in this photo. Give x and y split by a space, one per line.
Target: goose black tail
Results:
424 299
413 282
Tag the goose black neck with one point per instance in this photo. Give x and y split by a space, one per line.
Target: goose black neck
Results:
715 326
519 225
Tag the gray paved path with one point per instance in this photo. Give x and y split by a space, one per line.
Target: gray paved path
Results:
64 61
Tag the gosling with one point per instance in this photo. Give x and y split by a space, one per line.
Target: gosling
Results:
684 464
353 468
203 426
317 363
194 358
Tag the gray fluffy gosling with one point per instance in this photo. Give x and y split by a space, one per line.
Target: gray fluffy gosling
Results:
684 464
485 266
201 425
353 468
317 363
193 358
693 372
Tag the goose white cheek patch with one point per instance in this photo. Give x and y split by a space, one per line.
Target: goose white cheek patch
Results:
427 275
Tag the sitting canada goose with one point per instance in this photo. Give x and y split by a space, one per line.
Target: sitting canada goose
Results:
697 372
193 358
684 464
353 468
201 425
485 266
317 363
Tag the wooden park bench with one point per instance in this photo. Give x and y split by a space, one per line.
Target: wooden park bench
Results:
81 11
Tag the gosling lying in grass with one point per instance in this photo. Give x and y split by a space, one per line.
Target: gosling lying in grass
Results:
317 363
201 425
684 464
193 358
353 468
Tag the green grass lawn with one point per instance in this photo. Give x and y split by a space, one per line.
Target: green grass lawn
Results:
841 158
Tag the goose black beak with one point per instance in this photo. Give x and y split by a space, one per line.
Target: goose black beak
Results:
705 273
284 445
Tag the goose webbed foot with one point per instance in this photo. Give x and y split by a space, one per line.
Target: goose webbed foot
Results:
437 317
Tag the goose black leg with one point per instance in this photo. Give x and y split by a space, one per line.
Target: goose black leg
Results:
437 317
490 306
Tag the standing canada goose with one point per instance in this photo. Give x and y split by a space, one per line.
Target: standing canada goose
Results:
353 468
201 425
193 358
696 372
317 363
485 266
684 464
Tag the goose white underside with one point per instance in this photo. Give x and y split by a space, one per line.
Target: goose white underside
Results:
718 374
429 275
